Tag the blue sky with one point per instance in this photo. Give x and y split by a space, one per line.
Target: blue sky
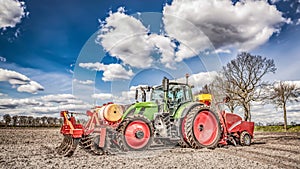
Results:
72 54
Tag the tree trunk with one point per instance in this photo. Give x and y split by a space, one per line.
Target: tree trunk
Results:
284 116
247 115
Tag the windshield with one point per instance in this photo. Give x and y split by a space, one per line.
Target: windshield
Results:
177 93
157 94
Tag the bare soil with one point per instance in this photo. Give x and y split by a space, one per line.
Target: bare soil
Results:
35 148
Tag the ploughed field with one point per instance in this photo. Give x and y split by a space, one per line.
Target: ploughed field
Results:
35 148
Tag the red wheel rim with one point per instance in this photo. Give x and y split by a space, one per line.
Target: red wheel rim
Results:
205 128
137 134
182 129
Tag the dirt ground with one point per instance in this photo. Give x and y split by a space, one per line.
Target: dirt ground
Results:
35 148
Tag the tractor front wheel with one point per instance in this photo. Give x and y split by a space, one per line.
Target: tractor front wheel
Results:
245 139
202 128
135 133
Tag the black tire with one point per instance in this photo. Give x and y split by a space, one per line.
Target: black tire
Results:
183 142
245 139
121 138
193 115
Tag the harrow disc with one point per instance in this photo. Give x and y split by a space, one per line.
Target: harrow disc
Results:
68 146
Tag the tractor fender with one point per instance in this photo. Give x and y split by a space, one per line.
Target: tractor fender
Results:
189 107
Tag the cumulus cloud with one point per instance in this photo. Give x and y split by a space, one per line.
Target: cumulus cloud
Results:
200 79
58 98
13 103
49 105
125 37
11 13
31 87
20 81
225 24
165 47
84 82
111 72
103 96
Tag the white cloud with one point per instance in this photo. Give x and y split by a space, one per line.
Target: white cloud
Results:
218 51
49 105
125 37
298 22
58 98
2 59
225 24
31 87
13 103
111 72
103 96
20 81
165 47
13 77
11 13
84 82
200 79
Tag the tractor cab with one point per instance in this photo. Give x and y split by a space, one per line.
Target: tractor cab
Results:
171 96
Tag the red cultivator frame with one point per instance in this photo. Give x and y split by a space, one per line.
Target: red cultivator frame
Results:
88 136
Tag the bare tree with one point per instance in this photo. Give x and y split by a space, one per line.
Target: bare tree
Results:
7 119
15 120
244 76
23 120
218 89
30 121
44 120
281 93
37 121
50 121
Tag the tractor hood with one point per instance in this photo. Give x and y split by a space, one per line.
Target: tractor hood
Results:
148 109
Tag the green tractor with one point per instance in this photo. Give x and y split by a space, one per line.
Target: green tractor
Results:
169 117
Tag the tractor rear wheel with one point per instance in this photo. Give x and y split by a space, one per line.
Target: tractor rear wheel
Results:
202 127
183 142
245 139
135 133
